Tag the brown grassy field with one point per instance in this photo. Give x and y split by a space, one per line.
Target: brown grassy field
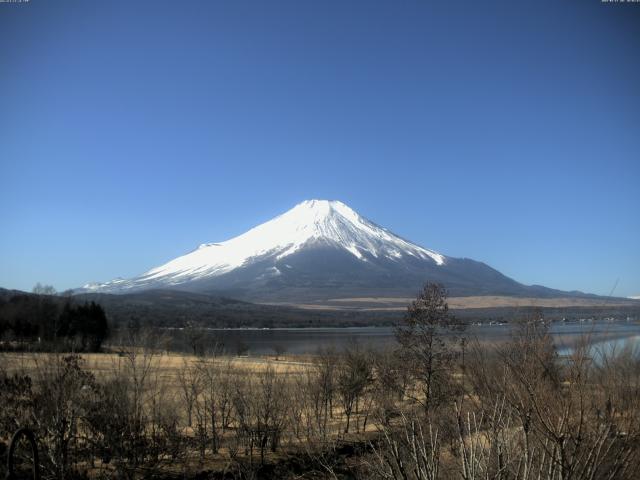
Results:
462 303
169 363
498 301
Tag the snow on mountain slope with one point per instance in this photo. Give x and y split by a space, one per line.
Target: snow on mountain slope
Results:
312 221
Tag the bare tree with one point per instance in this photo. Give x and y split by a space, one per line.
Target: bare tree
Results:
134 384
58 408
425 346
216 397
279 349
354 375
40 289
262 409
410 451
195 338
391 381
189 381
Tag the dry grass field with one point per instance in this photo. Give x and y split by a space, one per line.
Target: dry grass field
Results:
461 303
167 363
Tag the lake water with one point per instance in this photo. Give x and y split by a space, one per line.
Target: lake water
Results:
605 335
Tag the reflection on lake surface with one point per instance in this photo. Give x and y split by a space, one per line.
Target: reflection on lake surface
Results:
607 336
609 347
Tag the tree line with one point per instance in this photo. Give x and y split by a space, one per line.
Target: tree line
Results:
44 321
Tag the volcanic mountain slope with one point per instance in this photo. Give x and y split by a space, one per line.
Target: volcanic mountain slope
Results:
316 251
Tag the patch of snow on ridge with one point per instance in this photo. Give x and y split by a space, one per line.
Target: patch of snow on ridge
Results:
330 222
354 251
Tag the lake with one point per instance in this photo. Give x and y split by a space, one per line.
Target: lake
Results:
607 335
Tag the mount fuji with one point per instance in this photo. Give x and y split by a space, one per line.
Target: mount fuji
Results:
320 250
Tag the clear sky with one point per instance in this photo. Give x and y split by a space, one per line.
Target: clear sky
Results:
504 131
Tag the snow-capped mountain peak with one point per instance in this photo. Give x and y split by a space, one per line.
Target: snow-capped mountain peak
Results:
308 224
320 251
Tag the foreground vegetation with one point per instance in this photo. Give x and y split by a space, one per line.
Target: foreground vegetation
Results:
437 407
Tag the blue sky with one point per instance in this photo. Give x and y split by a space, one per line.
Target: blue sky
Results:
507 132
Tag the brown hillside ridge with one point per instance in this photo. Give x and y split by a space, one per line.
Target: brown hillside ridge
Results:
461 303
